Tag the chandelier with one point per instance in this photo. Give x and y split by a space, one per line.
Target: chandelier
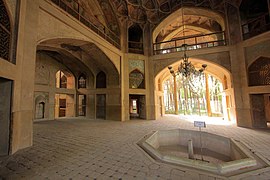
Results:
186 68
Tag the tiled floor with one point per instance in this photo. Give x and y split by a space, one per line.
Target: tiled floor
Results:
87 149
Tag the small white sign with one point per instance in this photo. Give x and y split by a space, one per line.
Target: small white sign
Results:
199 124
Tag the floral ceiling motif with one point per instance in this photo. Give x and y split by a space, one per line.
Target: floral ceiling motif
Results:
153 11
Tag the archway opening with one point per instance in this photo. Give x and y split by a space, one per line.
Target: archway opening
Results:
135 39
209 94
200 95
196 27
78 79
137 108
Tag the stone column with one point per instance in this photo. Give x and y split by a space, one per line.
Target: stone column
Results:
22 111
124 36
209 111
241 96
175 95
233 24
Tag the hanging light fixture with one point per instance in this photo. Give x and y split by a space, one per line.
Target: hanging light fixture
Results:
186 68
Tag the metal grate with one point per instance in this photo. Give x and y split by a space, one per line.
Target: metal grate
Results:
5 34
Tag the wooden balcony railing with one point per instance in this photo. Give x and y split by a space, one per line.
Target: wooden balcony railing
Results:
135 47
91 22
193 42
256 26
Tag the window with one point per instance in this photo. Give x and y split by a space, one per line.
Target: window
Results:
259 72
82 105
61 80
82 81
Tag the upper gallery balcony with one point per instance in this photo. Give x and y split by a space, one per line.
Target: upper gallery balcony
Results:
77 11
193 42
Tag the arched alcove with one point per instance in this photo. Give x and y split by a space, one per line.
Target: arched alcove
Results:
101 80
40 104
254 17
64 79
135 39
194 17
136 79
82 81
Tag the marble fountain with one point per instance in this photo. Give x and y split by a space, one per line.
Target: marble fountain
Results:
214 153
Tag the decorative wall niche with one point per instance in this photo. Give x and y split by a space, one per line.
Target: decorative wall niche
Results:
136 74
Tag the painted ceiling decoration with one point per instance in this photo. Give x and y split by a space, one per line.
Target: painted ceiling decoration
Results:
154 11
98 12
110 17
110 13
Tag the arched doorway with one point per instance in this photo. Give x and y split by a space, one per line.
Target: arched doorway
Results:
209 94
81 85
40 106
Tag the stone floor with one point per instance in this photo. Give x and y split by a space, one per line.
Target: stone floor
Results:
88 149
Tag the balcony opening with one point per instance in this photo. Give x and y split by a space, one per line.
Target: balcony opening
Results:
254 17
135 39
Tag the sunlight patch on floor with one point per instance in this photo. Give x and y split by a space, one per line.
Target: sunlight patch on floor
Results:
206 119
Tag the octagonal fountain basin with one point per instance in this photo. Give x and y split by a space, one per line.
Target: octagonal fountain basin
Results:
219 155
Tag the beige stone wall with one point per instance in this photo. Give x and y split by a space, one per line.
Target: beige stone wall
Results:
247 52
42 21
39 21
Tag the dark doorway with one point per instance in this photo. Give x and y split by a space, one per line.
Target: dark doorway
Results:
101 80
5 114
62 107
82 105
258 105
135 39
137 108
101 106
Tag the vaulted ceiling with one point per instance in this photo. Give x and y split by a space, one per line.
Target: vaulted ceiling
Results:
111 13
153 11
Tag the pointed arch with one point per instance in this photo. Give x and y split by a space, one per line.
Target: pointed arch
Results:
101 80
135 39
64 79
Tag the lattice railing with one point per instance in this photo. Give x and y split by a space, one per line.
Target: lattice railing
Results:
193 42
